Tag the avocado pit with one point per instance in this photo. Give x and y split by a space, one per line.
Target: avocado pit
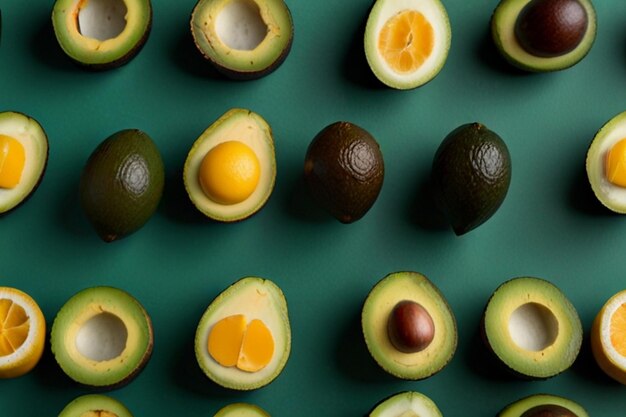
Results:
101 338
533 327
548 410
240 26
550 28
102 19
410 327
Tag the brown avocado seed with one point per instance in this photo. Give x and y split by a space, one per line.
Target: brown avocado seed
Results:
410 327
548 410
550 28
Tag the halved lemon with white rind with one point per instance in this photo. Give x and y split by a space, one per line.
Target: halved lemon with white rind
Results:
22 333
407 41
608 337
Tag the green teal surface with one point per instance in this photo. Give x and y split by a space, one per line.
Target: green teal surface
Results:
549 226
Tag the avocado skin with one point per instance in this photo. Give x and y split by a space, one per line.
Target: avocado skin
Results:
344 170
471 173
122 184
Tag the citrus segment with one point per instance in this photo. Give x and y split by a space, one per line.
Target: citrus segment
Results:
12 160
257 347
608 337
406 41
616 164
618 330
22 333
225 339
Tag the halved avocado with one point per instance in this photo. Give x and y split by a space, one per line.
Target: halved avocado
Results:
408 326
102 337
102 34
23 158
409 404
532 328
544 35
230 170
241 410
95 405
243 339
243 39
543 405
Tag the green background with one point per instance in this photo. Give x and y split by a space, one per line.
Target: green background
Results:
549 226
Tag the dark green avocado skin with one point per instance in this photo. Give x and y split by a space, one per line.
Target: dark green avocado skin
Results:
471 173
344 170
122 184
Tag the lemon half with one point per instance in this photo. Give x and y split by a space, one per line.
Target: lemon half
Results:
608 337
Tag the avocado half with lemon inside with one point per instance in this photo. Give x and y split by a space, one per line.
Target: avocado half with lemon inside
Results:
102 337
532 328
407 43
243 339
23 158
408 403
102 34
543 405
95 405
606 164
408 326
230 170
544 35
243 39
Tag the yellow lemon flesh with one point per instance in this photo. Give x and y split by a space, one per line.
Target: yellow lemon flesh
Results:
12 160
406 40
229 172
615 165
608 337
235 342
22 333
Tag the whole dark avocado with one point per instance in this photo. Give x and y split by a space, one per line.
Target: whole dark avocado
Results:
344 170
122 184
471 173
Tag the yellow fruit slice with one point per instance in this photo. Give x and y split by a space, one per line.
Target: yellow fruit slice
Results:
22 333
406 41
608 337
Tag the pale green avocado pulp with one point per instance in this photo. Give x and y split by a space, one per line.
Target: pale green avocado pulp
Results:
377 308
95 405
101 32
519 407
532 328
241 410
244 37
255 298
235 125
503 23
102 337
29 133
406 404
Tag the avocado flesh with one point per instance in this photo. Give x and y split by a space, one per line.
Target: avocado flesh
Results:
102 34
344 170
247 51
95 405
252 130
471 174
122 184
241 410
406 404
29 133
378 306
255 298
532 328
503 23
102 337
519 407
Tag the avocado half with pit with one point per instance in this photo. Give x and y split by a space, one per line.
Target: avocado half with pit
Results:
532 328
409 403
23 158
95 405
544 35
543 405
102 337
243 339
230 170
102 34
243 39
407 43
408 326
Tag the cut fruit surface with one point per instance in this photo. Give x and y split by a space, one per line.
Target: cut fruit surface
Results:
608 337
22 333
406 41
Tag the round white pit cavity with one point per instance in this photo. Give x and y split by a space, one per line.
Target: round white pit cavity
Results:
102 19
533 327
102 337
240 25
